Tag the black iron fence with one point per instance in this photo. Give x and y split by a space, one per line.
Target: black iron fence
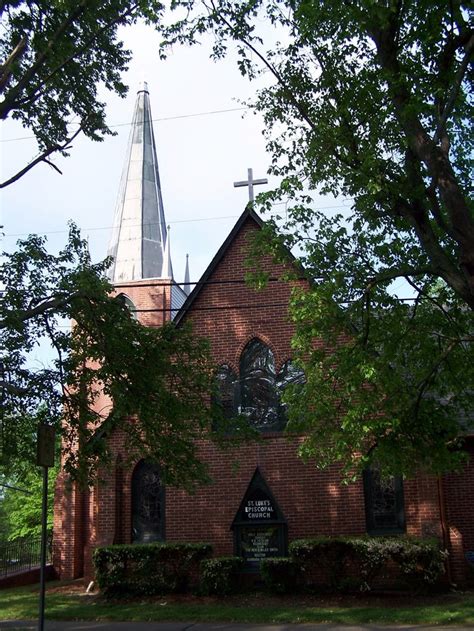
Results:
22 555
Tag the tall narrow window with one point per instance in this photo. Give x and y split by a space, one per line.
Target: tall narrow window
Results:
147 504
384 504
226 391
258 393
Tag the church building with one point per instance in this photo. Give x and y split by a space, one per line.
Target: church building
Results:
271 497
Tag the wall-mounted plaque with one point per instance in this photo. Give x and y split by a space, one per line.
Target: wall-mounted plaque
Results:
260 530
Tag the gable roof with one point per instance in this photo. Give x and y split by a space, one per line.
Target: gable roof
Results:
248 213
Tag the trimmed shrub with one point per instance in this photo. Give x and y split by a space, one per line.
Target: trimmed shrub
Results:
221 575
324 560
342 563
148 569
280 575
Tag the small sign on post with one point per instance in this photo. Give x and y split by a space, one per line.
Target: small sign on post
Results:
45 446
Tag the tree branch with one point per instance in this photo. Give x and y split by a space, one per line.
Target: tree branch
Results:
44 158
423 385
6 386
44 84
9 102
6 68
448 108
289 94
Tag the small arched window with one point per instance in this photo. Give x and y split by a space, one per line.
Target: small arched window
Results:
147 503
127 302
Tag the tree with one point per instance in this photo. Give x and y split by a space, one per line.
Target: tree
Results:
109 370
53 57
371 100
21 504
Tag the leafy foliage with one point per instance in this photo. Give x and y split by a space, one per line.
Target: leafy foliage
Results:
280 575
110 371
371 101
20 512
54 56
357 562
148 569
220 575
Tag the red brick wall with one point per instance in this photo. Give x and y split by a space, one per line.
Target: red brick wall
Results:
313 501
459 496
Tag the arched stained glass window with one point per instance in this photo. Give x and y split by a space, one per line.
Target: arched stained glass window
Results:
259 396
147 504
256 392
226 391
384 504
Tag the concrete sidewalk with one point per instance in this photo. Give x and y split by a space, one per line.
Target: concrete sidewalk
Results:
22 625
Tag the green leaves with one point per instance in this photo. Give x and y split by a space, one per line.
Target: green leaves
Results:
370 101
54 58
110 373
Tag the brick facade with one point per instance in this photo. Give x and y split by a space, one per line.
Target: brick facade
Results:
314 502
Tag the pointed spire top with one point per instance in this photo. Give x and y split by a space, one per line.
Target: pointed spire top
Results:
167 267
143 87
187 286
139 235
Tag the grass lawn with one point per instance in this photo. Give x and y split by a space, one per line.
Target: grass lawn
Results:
69 601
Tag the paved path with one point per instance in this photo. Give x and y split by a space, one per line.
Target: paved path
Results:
22 625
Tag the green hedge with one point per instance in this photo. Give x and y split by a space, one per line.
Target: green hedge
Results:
154 568
280 575
221 575
357 562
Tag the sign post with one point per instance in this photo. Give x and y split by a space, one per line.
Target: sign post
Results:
45 459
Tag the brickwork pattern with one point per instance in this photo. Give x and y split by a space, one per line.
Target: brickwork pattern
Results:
314 502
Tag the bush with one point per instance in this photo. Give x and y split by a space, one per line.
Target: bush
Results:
148 569
357 562
221 575
324 560
280 575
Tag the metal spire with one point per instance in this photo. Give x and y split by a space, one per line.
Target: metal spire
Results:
187 286
139 234
167 271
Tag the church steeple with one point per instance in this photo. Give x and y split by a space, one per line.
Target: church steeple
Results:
187 285
139 235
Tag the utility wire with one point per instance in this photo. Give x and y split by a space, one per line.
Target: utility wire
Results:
230 281
153 120
177 221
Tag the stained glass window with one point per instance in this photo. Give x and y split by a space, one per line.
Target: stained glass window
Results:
384 505
258 394
226 391
147 504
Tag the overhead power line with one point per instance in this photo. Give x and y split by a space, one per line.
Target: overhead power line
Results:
257 305
177 221
154 120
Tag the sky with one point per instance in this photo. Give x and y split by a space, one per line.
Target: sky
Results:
200 155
